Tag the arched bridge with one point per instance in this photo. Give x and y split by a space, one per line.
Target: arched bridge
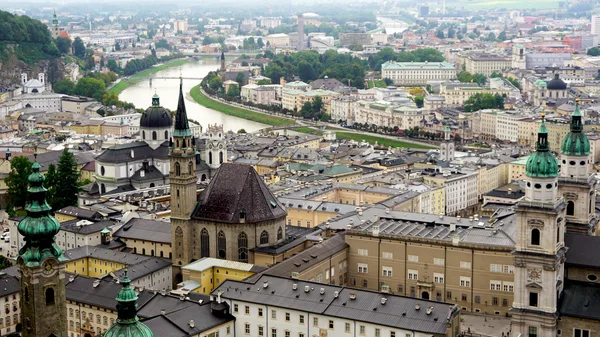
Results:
150 78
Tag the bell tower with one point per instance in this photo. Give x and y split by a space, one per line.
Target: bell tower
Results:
539 253
182 175
447 146
576 182
41 266
54 25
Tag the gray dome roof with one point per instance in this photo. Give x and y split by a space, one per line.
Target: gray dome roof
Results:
156 116
557 84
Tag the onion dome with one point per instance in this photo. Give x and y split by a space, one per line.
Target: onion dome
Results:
542 163
156 116
576 142
127 323
557 84
39 226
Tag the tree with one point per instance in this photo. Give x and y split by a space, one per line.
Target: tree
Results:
162 43
419 101
317 104
16 181
90 87
4 262
594 51
502 36
307 110
117 46
260 43
67 181
63 44
465 77
481 79
240 78
306 71
215 83
439 34
241 131
451 32
113 66
234 91
78 47
388 81
64 86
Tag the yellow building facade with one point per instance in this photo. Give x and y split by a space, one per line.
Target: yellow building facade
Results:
210 273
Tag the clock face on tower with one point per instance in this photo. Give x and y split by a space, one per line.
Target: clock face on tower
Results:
534 274
48 266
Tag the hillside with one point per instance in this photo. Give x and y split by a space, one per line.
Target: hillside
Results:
27 38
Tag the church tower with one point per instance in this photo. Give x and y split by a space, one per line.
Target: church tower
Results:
519 59
447 146
54 25
539 253
576 182
222 61
41 266
182 175
127 323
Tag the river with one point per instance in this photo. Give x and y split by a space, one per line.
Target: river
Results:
392 26
141 93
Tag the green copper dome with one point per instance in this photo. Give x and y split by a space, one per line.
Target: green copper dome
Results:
576 142
542 163
39 227
128 323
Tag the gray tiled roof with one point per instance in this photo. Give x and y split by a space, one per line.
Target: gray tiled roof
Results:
398 311
237 187
580 299
80 213
9 284
583 250
121 153
145 229
81 289
94 227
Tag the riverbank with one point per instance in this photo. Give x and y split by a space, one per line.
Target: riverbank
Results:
254 116
125 83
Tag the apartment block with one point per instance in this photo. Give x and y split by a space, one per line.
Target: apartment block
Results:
417 73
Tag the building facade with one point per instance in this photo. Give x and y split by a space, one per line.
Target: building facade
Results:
417 73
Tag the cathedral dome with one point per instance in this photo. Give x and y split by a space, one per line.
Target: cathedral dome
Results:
156 116
576 143
557 84
542 163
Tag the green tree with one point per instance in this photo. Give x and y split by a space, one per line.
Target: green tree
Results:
481 79
260 43
67 181
78 47
162 43
234 91
439 34
64 86
113 66
465 77
240 79
317 104
16 181
51 185
63 44
117 46
594 51
419 100
388 81
4 262
502 36
90 87
215 83
307 110
306 71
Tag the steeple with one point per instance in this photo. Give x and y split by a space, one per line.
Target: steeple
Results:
576 142
54 19
182 127
222 61
39 227
127 323
542 163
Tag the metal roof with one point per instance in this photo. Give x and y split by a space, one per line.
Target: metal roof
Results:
209 262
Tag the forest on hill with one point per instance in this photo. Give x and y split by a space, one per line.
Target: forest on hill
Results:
28 38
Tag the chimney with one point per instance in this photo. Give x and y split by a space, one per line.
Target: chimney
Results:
336 294
452 227
163 311
219 296
376 230
192 323
429 310
294 286
383 300
509 191
417 307
8 155
306 289
132 154
322 291
96 283
265 284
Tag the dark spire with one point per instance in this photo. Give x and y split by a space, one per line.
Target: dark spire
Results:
222 55
542 141
182 127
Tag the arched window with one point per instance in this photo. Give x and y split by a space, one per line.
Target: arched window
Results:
49 296
144 135
279 234
166 134
152 185
570 208
264 238
204 243
154 135
179 240
102 170
243 247
535 237
143 251
210 157
177 169
190 168
221 245
203 178
220 157
27 297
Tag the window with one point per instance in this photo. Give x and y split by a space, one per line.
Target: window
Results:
463 297
465 264
505 302
247 328
315 321
221 245
387 255
287 316
364 283
361 329
438 278
347 327
508 286
243 247
261 331
438 261
235 308
247 310
449 295
228 329
177 169
494 300
301 319
465 281
495 285
392 333
264 238
509 269
532 331
533 299
363 252
413 258
535 237
260 312
477 299
413 274
362 268
49 296
330 324
387 271
495 268
279 234
570 208
204 243
274 314
581 333
287 333
300 334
